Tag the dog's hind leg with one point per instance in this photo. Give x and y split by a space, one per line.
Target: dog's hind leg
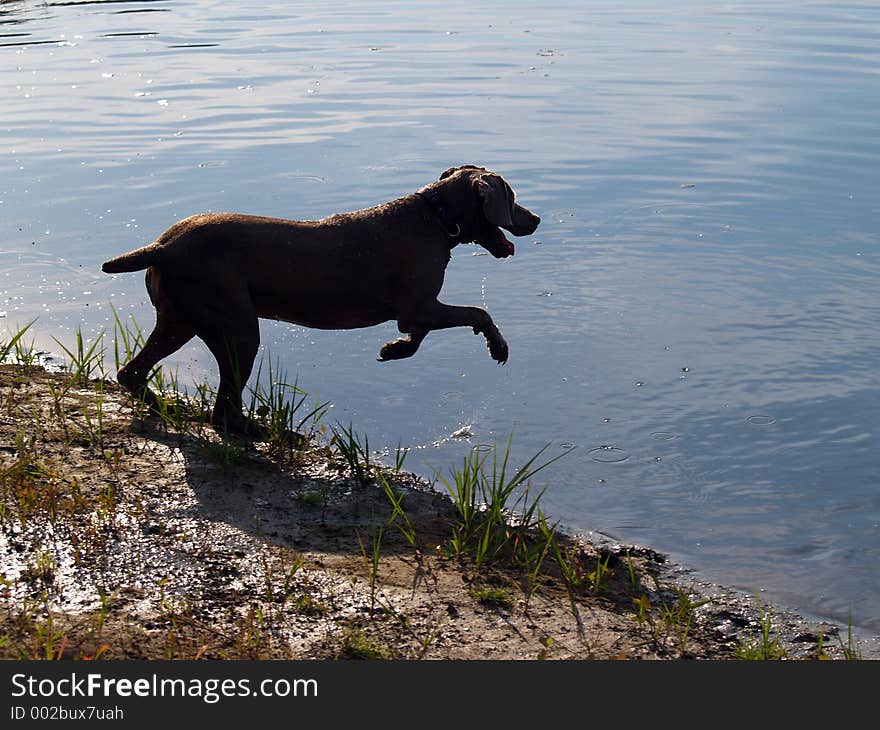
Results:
167 337
170 334
234 345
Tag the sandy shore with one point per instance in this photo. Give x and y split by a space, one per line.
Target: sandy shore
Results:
121 537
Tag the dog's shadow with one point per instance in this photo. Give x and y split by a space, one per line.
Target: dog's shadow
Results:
309 504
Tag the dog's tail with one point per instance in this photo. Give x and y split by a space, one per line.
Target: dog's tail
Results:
141 258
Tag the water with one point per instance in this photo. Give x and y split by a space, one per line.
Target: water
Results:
696 321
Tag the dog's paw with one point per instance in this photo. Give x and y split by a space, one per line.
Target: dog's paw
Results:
396 350
498 350
386 353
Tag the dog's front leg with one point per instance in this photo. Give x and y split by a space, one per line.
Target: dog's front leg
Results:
437 315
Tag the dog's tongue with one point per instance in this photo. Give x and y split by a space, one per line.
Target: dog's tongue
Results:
511 249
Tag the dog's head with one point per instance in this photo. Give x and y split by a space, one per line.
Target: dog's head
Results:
497 208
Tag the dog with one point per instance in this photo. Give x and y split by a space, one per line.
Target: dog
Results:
213 275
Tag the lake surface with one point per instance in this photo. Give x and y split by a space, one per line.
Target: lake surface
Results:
696 321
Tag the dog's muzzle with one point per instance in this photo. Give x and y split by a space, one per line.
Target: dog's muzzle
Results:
524 222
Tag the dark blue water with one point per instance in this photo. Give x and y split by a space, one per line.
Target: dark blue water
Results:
696 321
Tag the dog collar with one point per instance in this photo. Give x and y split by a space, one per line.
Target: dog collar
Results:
433 199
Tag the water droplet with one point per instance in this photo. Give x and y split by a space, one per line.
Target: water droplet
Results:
608 454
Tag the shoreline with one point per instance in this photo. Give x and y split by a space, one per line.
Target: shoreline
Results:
129 536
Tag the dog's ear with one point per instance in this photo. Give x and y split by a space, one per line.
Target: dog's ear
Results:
497 199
